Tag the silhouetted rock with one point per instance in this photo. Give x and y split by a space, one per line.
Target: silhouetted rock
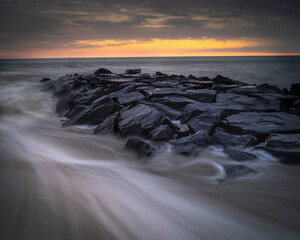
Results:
295 89
133 71
45 80
102 71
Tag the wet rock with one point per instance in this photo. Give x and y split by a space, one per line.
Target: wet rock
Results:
77 109
239 155
191 144
45 80
96 113
133 71
226 80
202 95
223 87
262 124
171 113
295 89
130 97
234 171
162 92
295 111
109 125
284 146
102 71
206 121
229 140
142 147
139 120
162 132
174 102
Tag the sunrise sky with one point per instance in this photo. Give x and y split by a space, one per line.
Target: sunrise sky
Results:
132 28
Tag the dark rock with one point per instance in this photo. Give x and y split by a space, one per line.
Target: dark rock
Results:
192 77
162 92
102 71
249 90
77 109
162 132
191 144
142 147
174 102
295 89
234 171
239 155
159 74
45 80
130 97
133 71
268 88
166 84
262 124
295 111
224 80
226 140
109 125
96 113
223 87
206 121
139 120
296 104
220 130
202 95
284 146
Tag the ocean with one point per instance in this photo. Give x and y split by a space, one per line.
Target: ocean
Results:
65 183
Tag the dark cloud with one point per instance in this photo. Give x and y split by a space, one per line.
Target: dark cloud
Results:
25 23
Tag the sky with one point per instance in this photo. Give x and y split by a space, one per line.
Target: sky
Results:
137 28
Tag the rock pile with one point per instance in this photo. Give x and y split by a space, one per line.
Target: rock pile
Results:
189 113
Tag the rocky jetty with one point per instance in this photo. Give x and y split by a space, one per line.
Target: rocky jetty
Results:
185 113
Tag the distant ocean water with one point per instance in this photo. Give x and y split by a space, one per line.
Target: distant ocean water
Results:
281 71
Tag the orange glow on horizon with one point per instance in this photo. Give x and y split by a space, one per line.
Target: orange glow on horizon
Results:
148 48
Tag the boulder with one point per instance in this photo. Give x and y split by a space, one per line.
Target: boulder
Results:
102 71
174 102
95 113
202 95
133 71
45 80
171 113
191 144
295 89
239 155
229 140
127 98
139 120
226 80
284 146
262 124
163 132
234 171
142 147
206 121
109 125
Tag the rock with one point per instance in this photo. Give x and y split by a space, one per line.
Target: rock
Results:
139 120
174 102
96 113
130 97
295 111
109 125
160 74
219 130
191 144
262 124
249 90
165 84
77 109
234 171
163 132
223 87
284 146
296 104
45 80
295 89
102 71
202 95
133 71
268 88
171 113
239 155
226 80
192 76
206 121
162 92
142 147
229 140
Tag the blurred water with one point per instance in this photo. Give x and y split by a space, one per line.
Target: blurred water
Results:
64 183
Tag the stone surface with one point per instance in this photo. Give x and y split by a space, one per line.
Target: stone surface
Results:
229 140
234 171
284 146
139 120
262 124
191 144
142 147
108 126
102 71
133 71
163 132
239 155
